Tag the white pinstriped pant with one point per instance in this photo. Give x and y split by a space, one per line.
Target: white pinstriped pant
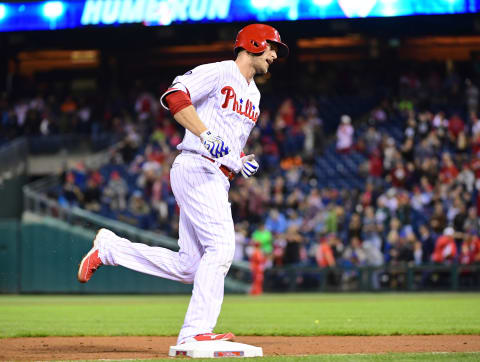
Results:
206 240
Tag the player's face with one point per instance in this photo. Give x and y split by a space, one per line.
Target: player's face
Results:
262 62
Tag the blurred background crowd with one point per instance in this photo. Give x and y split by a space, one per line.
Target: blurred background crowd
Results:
397 183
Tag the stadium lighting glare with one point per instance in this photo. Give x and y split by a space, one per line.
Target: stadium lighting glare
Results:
53 9
3 11
165 14
322 2
278 4
260 4
273 5
389 8
20 15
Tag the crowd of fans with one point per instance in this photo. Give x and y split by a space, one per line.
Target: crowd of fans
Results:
43 115
419 201
48 111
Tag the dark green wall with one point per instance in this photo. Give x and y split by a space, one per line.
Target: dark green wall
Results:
50 256
44 257
11 197
9 256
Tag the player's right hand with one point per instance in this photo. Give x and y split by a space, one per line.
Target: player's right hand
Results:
250 166
214 144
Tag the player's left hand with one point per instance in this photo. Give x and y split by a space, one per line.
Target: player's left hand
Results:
214 144
250 166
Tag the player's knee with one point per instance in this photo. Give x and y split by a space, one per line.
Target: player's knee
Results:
226 257
188 278
188 273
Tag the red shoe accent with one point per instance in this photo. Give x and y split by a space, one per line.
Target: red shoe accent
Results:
89 264
215 337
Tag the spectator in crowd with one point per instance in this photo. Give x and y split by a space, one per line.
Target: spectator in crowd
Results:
331 219
92 195
428 243
323 252
470 251
458 223
449 171
475 121
455 127
354 254
115 193
257 266
402 251
137 205
71 192
345 135
276 222
264 237
466 178
294 250
472 94
472 223
241 241
355 226
445 248
438 221
377 116
372 140
84 113
375 168
314 135
129 148
370 229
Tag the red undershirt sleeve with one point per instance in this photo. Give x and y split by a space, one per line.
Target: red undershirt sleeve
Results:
177 101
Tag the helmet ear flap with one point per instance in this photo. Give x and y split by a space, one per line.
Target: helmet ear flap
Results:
257 46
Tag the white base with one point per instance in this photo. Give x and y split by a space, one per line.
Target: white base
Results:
215 349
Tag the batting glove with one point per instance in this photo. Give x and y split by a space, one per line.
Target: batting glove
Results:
250 166
214 144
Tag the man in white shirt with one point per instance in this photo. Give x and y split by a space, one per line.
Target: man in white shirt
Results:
345 134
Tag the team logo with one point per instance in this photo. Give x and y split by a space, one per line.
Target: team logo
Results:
245 108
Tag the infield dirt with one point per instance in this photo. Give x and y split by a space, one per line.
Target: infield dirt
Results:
71 348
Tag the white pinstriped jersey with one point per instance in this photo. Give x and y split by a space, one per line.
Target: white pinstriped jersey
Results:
226 103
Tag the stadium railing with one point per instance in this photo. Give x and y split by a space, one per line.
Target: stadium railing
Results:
13 156
36 201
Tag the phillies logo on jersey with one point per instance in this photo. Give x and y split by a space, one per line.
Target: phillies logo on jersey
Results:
240 106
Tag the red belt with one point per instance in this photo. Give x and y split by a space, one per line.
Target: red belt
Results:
226 171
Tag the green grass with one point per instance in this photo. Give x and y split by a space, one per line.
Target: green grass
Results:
401 357
289 314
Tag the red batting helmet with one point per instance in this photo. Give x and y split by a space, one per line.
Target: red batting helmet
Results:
253 38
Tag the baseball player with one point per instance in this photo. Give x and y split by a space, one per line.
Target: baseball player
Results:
218 104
